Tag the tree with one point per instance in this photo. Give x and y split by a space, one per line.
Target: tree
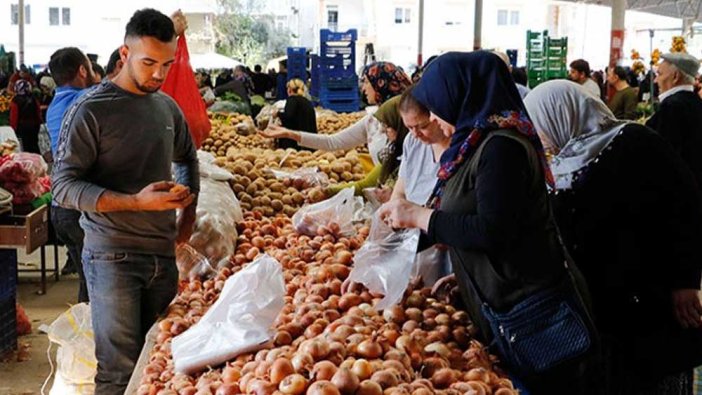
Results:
245 34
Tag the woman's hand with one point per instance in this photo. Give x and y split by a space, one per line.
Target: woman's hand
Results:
279 132
402 214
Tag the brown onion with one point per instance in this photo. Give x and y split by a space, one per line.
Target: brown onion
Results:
323 370
323 387
346 381
369 349
368 387
281 368
362 368
295 384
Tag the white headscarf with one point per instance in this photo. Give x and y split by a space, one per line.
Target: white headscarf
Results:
578 123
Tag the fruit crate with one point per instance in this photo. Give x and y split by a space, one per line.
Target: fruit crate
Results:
341 105
546 57
337 55
297 63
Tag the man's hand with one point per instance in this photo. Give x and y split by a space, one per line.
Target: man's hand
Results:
687 308
402 214
180 23
158 197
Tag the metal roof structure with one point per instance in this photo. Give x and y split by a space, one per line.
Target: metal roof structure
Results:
684 9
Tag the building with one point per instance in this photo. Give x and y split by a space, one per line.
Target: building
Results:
94 26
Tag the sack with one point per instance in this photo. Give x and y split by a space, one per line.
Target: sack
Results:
541 332
76 365
337 210
385 261
181 86
238 322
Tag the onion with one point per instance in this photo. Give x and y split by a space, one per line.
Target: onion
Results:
362 368
281 368
230 375
346 381
227 389
323 387
505 391
369 349
302 362
294 384
443 378
368 387
282 338
394 314
386 378
317 348
323 370
433 365
348 301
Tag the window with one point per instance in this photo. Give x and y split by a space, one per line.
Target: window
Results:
53 16
514 18
65 16
333 18
507 17
403 15
502 17
14 14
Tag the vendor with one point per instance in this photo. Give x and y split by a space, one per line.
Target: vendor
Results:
385 174
380 82
493 213
631 215
298 114
25 116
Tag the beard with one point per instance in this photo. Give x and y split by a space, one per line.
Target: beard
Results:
148 86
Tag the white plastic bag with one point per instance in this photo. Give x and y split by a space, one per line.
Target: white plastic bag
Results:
303 178
385 262
239 321
75 358
338 210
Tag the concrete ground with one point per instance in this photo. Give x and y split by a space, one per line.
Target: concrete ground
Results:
27 377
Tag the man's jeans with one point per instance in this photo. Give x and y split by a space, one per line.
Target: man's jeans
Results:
69 232
127 293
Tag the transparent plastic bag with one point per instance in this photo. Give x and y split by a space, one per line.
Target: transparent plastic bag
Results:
303 178
23 168
430 265
337 210
76 365
385 262
191 264
208 168
239 321
24 193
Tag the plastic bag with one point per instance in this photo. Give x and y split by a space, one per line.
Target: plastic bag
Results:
338 210
24 326
303 178
385 262
24 193
430 264
227 106
191 264
239 321
76 365
181 86
22 168
208 168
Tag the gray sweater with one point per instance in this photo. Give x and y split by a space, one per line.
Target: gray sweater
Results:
114 140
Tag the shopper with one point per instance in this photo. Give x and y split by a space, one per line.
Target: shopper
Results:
98 71
114 65
631 215
261 81
298 113
679 116
73 73
625 99
385 174
240 74
223 77
114 160
523 90
580 73
493 212
380 81
25 116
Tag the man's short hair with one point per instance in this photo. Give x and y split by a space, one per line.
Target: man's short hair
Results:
65 63
620 72
98 69
258 68
151 23
581 65
112 62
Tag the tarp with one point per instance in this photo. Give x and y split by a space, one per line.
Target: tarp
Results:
212 61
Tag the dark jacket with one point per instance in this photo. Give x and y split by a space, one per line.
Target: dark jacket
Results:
298 115
632 223
499 228
679 120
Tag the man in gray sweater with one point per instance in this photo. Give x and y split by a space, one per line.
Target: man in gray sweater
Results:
116 147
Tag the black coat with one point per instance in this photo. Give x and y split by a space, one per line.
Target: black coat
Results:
298 115
633 224
679 120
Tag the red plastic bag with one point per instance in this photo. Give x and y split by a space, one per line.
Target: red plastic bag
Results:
22 168
180 85
24 193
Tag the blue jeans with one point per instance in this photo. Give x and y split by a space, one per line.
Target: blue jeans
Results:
69 232
127 293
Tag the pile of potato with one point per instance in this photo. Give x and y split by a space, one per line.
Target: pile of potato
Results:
259 190
233 130
332 123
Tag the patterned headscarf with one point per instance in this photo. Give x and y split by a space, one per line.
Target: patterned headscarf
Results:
386 79
475 93
23 88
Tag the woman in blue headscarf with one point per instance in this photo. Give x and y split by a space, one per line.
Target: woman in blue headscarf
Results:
490 205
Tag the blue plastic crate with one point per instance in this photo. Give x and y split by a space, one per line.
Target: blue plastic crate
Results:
327 35
296 51
314 76
341 105
341 82
8 325
8 274
338 94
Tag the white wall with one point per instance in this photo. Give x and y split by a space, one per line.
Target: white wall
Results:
96 26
